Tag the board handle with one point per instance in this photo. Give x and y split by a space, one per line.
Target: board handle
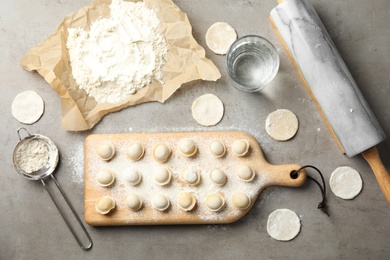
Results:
282 175
381 174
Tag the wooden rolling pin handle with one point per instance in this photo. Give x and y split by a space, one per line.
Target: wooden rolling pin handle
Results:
381 174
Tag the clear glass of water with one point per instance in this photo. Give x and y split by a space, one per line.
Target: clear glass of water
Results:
252 62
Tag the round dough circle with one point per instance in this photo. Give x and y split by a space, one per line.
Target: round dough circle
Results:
241 200
218 176
133 177
217 148
345 182
207 110
105 178
187 147
161 152
160 202
245 172
27 107
240 147
135 151
281 124
190 176
104 205
186 201
214 202
283 224
219 37
133 202
106 151
162 176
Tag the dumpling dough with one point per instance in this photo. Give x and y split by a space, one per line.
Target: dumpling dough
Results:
186 201
133 202
160 202
207 110
135 151
161 152
283 224
105 178
162 176
241 200
106 150
187 147
27 107
191 176
240 147
219 37
133 176
217 148
245 172
345 182
281 124
215 202
218 176
104 205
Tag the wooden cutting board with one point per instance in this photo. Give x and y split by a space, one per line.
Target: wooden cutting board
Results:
266 175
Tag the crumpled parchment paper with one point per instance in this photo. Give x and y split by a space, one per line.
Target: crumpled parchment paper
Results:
186 62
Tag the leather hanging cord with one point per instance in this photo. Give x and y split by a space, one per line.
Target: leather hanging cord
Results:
322 205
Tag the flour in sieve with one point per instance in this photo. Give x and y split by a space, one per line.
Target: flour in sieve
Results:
32 156
120 54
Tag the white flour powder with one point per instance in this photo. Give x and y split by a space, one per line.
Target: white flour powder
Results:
32 156
120 54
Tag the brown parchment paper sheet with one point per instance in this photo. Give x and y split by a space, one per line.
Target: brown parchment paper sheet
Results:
186 62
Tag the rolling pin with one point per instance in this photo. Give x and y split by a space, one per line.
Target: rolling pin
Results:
330 84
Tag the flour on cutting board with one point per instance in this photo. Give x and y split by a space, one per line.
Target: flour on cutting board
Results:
204 161
120 54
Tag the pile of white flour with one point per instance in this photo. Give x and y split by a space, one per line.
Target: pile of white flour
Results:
120 54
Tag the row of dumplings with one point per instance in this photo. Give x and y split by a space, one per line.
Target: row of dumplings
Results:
162 176
161 152
185 200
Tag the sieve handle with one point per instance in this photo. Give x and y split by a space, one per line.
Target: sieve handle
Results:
73 211
20 129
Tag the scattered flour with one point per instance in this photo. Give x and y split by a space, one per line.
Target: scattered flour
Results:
120 54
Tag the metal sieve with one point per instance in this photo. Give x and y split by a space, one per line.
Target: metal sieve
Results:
44 173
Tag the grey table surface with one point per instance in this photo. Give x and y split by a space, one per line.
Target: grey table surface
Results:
31 227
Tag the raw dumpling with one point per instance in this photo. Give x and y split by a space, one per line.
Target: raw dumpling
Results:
133 176
241 200
104 205
161 152
160 202
218 176
217 148
245 172
105 178
187 147
191 176
106 150
135 151
240 147
215 202
162 176
186 201
133 202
